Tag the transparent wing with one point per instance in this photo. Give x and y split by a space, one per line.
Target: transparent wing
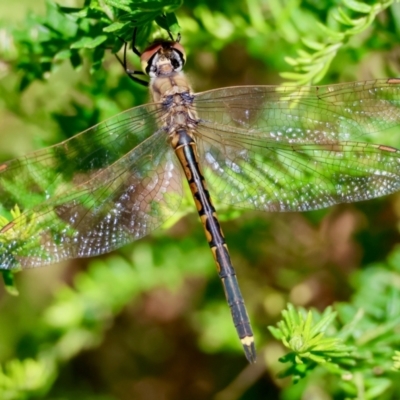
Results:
286 149
95 192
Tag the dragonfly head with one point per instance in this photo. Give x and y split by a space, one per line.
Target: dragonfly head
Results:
163 58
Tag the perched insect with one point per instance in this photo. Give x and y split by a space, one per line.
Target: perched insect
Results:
266 148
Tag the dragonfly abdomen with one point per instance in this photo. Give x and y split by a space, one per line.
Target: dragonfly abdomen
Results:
186 150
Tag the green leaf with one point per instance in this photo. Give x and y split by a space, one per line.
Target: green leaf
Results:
8 278
169 22
396 361
357 6
98 56
96 42
124 5
81 43
75 59
330 33
88 42
63 55
115 26
75 11
343 18
312 44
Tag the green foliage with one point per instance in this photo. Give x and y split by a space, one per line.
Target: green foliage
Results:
64 31
361 349
396 361
349 19
299 333
79 316
9 284
351 352
22 379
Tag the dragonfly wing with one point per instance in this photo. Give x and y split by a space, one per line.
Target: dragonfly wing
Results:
287 149
95 192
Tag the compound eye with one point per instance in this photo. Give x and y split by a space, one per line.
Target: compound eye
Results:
148 54
178 47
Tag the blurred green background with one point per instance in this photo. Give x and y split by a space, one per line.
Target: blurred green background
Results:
150 321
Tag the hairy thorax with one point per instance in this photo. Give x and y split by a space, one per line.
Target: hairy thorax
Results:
175 97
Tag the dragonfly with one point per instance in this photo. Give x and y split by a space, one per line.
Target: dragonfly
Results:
268 148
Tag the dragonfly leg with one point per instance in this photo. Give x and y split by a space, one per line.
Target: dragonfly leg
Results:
131 73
